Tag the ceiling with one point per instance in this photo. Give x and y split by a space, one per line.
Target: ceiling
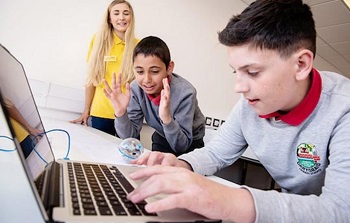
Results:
332 18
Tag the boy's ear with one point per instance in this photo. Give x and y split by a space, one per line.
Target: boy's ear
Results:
305 60
170 67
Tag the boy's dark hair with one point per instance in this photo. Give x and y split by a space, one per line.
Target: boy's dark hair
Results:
281 25
153 46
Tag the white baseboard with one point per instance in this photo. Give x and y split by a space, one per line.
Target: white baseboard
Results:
57 97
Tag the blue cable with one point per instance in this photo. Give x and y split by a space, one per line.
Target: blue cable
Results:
68 141
7 150
34 138
37 153
52 130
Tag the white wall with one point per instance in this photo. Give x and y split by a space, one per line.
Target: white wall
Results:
51 39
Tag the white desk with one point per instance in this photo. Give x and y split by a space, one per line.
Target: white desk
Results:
87 144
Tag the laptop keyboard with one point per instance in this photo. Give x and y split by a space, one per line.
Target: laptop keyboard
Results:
101 190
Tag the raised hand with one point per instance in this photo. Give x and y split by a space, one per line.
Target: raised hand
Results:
164 106
116 96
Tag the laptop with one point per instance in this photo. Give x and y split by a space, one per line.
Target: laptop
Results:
66 190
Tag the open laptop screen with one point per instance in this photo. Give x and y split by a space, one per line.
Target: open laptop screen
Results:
19 102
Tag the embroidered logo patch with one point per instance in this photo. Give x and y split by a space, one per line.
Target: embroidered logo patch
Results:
308 159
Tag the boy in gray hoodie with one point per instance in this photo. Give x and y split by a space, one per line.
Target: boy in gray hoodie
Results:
166 101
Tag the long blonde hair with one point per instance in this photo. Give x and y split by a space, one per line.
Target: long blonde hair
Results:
103 44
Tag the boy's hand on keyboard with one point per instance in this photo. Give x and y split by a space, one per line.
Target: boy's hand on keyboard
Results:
186 189
158 158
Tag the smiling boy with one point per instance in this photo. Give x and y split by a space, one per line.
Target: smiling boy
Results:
166 101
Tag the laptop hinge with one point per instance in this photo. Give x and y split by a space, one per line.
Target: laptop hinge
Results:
54 190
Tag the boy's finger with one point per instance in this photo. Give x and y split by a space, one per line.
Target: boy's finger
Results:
107 87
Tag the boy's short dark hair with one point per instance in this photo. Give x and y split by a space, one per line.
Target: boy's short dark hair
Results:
281 25
153 46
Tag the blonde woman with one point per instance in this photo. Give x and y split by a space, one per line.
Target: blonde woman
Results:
110 52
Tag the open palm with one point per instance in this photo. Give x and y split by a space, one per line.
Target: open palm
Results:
114 93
